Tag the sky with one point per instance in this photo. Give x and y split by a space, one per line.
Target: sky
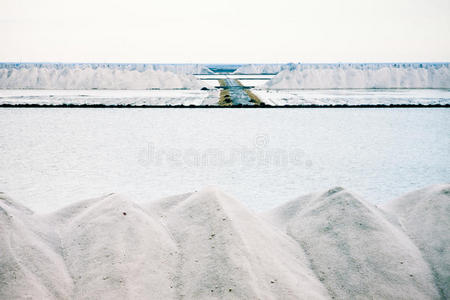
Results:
227 31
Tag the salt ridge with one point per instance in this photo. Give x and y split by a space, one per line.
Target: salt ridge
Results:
350 76
425 216
100 76
206 245
262 68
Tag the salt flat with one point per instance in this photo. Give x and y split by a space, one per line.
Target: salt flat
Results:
156 97
321 97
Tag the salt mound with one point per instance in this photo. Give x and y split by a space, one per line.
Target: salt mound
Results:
174 68
425 216
262 68
84 78
115 250
343 76
353 249
30 264
205 245
226 252
199 246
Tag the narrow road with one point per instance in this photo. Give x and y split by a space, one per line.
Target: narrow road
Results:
237 93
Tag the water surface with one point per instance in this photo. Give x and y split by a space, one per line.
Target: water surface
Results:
51 157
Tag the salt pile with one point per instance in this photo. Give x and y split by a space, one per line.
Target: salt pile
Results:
31 260
225 251
354 249
206 245
342 76
262 68
174 68
425 216
84 77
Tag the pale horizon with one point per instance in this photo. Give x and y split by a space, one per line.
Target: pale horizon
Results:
234 32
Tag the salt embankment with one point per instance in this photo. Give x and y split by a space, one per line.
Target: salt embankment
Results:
366 76
103 76
262 68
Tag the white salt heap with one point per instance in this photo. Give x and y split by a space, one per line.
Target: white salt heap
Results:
362 76
354 249
32 263
262 68
225 251
206 245
87 77
425 216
